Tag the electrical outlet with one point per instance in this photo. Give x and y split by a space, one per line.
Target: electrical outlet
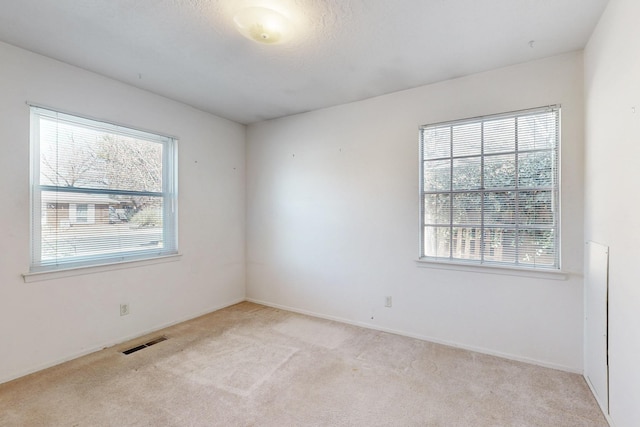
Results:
124 309
388 302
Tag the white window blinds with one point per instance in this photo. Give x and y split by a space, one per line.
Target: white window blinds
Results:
101 193
490 190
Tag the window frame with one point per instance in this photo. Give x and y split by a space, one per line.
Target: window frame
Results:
483 264
169 194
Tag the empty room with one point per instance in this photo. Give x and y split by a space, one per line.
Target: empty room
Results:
319 213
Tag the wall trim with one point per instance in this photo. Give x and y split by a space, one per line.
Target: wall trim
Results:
116 342
365 325
481 350
98 268
607 416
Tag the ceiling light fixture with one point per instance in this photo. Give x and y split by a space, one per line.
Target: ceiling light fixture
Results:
263 25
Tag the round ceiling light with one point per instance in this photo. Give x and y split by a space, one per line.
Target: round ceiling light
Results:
263 25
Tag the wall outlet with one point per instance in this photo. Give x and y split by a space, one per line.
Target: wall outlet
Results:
124 309
388 302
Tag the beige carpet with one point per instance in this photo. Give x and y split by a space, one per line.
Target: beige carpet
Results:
250 365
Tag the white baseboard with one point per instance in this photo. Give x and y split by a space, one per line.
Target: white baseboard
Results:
423 337
313 314
115 342
294 310
595 396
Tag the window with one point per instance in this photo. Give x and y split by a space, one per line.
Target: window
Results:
101 193
82 212
490 190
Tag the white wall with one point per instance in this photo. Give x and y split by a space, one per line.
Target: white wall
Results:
332 219
612 88
42 323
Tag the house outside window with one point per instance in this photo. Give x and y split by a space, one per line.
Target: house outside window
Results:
490 190
101 193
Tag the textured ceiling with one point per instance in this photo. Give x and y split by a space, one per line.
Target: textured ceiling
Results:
343 50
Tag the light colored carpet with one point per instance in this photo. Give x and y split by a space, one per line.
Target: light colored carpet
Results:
249 365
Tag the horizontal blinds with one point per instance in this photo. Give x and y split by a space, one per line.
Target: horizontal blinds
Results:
101 192
490 189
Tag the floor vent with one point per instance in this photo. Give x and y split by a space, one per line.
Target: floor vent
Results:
149 344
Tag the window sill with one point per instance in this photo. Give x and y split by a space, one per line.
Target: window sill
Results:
79 271
494 269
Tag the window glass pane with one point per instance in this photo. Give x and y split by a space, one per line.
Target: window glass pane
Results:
537 131
437 209
500 208
466 208
437 142
132 164
500 171
466 243
67 155
536 208
437 175
536 169
467 139
75 156
122 225
436 242
537 247
499 245
466 174
499 136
